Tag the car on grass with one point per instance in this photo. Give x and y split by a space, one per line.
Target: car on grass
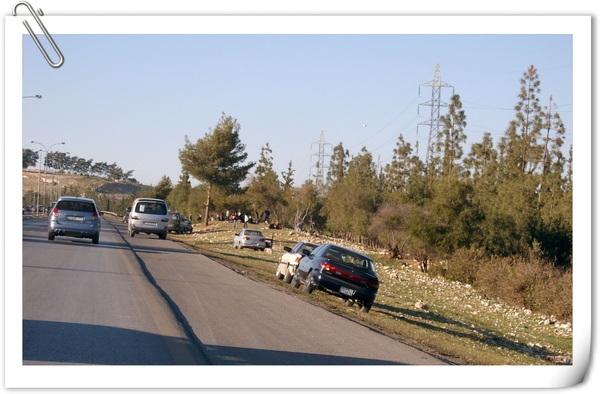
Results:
250 238
341 271
186 226
175 222
286 268
150 216
75 217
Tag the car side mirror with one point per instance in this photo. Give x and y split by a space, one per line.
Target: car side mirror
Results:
287 249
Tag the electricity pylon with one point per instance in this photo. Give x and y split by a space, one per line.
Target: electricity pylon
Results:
320 164
435 103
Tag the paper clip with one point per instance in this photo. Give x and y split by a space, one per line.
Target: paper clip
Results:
35 39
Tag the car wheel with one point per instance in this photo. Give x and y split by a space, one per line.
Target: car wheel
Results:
278 274
309 285
287 277
95 239
366 308
50 236
295 281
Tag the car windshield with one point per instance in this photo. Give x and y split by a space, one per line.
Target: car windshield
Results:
153 208
81 206
253 232
353 259
301 246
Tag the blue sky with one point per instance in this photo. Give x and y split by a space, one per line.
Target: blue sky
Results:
131 99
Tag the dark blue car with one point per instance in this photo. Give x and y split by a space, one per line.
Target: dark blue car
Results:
343 272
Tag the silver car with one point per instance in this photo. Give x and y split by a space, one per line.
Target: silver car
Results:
150 216
74 217
286 268
250 238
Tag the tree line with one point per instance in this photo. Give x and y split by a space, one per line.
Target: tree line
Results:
504 198
512 197
64 163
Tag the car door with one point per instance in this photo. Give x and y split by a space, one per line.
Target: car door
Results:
307 261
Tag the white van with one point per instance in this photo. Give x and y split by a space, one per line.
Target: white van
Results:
150 216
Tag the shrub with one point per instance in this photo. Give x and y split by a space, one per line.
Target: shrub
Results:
530 283
463 266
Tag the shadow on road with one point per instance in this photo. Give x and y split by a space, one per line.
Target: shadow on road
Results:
47 342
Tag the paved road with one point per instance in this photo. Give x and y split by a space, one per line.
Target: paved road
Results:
105 304
93 304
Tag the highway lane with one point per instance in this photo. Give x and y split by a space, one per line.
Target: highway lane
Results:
99 304
92 304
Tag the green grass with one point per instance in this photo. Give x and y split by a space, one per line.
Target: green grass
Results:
458 324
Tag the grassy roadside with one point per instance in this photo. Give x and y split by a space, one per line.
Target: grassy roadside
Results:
445 318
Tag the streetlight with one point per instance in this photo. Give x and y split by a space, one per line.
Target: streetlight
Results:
47 150
37 96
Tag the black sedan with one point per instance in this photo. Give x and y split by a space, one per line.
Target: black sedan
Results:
341 271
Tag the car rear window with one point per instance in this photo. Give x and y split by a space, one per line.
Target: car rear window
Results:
253 232
349 258
81 206
153 208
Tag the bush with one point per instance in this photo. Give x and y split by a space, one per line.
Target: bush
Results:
463 266
532 282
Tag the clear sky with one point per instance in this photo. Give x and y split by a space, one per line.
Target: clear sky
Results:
131 99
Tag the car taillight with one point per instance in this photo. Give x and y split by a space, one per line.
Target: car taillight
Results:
164 220
54 212
370 283
135 218
327 267
262 240
246 238
95 216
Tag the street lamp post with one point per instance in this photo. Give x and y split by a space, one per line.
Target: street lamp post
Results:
37 200
47 151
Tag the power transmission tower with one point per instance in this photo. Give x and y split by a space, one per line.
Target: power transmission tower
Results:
320 165
435 103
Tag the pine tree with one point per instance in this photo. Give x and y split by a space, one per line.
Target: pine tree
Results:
338 165
217 159
452 136
265 190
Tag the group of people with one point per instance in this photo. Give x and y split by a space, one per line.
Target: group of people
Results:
244 218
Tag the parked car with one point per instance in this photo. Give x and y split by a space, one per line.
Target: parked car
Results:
175 221
250 238
186 226
341 271
150 216
286 268
74 217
